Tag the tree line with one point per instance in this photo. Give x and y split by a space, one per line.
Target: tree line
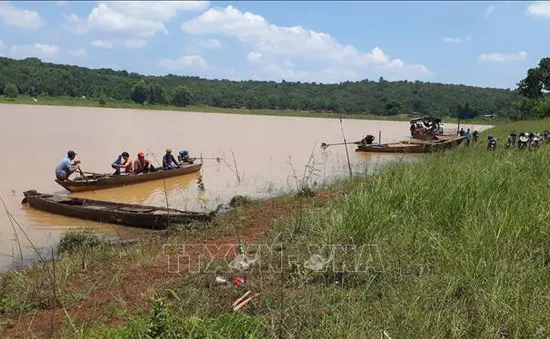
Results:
33 77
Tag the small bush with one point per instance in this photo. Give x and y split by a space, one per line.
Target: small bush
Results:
103 101
11 91
240 200
72 241
306 192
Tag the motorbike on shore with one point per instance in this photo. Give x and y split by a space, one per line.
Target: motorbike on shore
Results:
523 141
492 144
534 142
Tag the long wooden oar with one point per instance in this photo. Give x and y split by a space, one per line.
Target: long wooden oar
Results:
218 159
325 146
85 177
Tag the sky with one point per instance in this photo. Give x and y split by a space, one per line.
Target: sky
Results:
488 44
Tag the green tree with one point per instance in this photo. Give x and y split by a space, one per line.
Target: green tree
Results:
381 97
140 92
11 91
181 97
465 112
156 94
537 80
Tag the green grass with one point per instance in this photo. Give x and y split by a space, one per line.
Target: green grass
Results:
69 101
463 239
464 244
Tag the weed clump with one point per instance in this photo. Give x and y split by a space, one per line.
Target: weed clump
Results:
240 200
306 192
73 241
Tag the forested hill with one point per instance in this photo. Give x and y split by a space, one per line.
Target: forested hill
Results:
34 77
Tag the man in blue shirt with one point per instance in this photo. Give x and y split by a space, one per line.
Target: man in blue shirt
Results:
67 166
168 160
183 157
119 164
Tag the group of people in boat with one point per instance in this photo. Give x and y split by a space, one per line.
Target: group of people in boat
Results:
123 163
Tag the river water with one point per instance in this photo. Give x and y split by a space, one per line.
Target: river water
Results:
270 153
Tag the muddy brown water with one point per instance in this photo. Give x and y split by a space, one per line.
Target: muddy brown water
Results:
270 153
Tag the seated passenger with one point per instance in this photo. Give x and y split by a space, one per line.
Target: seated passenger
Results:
184 158
142 165
168 160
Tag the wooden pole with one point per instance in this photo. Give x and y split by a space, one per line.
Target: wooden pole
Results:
347 153
379 137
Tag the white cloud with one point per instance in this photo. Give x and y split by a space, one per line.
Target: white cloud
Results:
34 50
503 57
183 63
254 56
456 40
129 44
102 44
539 8
488 11
22 18
209 44
135 44
81 53
275 42
141 19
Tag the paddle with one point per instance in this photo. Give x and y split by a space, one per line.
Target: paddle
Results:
218 159
325 145
85 178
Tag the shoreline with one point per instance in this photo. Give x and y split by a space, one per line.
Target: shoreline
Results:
75 102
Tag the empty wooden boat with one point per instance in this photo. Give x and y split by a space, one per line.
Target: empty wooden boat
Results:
411 146
95 181
111 212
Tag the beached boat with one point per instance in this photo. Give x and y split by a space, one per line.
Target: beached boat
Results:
112 212
411 146
95 181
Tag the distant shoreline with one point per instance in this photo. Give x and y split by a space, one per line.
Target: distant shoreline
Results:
77 102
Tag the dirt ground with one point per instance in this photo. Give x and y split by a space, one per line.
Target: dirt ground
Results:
138 280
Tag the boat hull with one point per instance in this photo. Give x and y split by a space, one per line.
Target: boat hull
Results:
103 181
411 146
116 213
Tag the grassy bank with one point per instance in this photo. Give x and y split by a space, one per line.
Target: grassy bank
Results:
69 101
458 245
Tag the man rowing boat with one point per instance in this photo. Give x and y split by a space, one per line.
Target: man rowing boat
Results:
122 162
67 166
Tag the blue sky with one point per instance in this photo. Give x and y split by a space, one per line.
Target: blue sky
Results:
475 43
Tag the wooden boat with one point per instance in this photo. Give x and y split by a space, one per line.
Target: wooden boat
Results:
112 212
393 147
411 146
95 181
